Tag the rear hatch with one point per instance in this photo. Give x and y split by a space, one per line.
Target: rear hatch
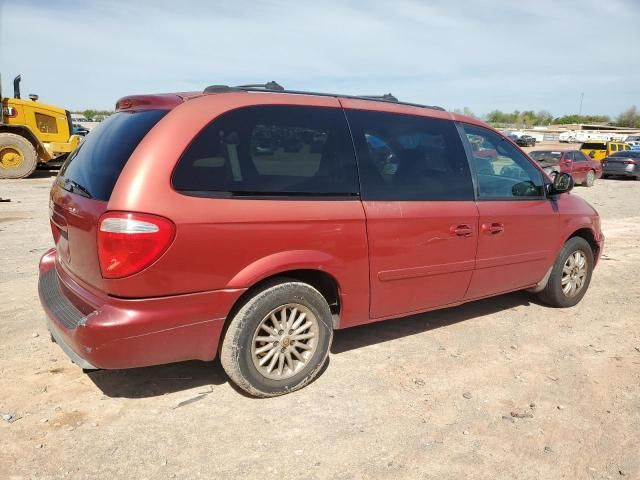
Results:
81 192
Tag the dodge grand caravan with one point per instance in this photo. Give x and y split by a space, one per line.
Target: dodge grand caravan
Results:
252 222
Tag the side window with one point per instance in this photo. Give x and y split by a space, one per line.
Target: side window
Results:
578 156
46 123
271 150
613 147
406 157
503 171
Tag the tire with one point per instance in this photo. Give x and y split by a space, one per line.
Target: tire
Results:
591 179
240 352
553 293
18 157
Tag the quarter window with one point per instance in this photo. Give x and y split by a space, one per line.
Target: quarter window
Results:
503 171
405 157
271 150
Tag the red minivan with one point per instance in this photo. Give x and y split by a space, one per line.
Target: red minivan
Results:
252 222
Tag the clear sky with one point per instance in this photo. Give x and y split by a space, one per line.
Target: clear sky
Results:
505 54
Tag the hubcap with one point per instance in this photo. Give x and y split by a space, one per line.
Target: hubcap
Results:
10 157
284 341
574 273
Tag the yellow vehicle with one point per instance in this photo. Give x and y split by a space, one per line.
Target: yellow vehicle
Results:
32 132
599 150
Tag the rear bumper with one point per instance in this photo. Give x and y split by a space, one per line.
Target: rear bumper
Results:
98 331
628 171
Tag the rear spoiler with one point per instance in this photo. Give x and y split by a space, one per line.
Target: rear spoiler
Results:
162 101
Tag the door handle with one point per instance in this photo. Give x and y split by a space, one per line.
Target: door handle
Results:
492 228
461 230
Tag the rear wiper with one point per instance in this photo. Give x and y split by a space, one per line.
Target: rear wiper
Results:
77 188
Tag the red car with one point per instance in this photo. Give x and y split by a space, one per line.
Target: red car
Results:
251 223
581 167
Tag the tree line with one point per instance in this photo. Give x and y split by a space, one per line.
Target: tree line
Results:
529 118
90 113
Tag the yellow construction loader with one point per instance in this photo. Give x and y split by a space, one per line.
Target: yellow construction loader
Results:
31 133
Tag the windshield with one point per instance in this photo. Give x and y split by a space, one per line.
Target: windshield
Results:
545 156
93 169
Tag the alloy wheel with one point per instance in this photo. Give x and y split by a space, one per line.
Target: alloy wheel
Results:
284 341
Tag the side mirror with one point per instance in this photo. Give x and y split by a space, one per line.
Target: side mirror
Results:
562 183
33 97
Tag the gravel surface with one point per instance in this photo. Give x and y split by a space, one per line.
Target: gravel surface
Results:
500 388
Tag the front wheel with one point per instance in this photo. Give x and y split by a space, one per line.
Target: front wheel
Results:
278 341
570 275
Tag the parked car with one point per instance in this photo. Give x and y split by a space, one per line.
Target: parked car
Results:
567 137
175 239
626 163
583 169
633 141
526 141
79 129
598 150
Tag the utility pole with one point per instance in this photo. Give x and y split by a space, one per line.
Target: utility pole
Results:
581 99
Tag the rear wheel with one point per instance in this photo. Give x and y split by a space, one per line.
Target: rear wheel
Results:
570 276
278 340
591 179
18 157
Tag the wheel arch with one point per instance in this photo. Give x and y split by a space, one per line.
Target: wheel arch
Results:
587 234
324 282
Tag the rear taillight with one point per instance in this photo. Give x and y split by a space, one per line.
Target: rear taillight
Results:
130 242
630 162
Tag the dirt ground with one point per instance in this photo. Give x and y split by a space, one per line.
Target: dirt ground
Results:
432 396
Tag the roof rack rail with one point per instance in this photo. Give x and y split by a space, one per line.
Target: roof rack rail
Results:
387 96
272 85
221 89
275 87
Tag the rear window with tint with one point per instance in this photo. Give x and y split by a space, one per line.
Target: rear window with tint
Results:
271 150
96 165
541 156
